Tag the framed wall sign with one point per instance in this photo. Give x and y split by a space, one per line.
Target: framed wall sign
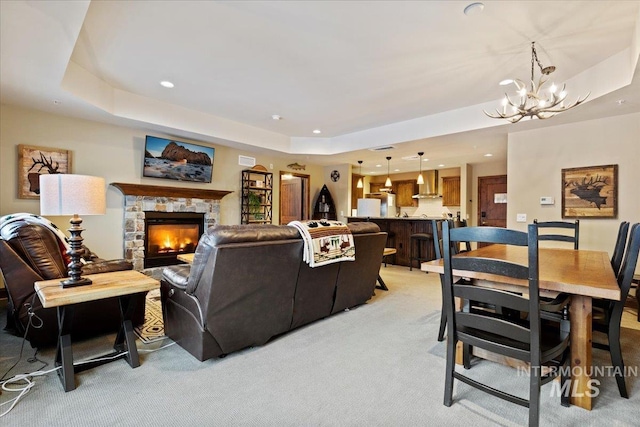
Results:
34 161
590 192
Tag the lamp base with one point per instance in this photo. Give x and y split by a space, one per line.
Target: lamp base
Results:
71 282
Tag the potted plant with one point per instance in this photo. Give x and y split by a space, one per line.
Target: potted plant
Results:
255 207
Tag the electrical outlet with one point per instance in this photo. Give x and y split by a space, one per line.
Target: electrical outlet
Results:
521 217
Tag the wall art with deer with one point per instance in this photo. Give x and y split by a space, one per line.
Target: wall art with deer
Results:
590 192
34 161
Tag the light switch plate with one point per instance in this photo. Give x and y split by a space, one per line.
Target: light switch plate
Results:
521 217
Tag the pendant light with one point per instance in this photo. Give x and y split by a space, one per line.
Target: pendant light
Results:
360 184
420 179
387 183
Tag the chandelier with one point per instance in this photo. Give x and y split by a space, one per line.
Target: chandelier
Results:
534 102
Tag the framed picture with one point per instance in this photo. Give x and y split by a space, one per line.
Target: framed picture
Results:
34 161
590 192
182 161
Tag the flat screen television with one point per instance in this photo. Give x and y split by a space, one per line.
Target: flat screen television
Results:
182 161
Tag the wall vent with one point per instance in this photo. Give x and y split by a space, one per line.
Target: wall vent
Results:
246 161
385 148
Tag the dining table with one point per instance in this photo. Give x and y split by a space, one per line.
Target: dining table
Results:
583 274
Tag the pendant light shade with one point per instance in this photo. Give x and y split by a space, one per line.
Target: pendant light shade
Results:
387 183
420 179
360 184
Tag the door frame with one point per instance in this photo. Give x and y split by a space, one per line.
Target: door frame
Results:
306 188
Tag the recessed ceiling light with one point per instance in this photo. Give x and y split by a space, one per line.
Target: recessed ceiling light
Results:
276 117
441 165
317 131
378 166
506 82
167 84
396 170
620 101
425 160
474 9
488 155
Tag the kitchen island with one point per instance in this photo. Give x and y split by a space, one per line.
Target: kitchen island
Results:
399 232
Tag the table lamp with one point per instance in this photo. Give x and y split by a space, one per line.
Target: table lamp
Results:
67 194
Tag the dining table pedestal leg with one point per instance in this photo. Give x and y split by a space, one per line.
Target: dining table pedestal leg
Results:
582 387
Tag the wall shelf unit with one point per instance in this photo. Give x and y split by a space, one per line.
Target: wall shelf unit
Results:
257 197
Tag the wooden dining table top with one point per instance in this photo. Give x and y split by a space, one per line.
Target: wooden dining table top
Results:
578 272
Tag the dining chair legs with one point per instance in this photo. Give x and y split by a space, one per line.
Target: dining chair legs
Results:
443 315
616 360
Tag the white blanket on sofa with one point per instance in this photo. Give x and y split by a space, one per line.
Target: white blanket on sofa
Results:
326 242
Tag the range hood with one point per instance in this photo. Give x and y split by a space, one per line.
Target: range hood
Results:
428 190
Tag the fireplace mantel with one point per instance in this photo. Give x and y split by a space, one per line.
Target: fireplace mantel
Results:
163 191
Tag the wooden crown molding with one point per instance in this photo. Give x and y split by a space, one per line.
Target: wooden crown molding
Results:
163 191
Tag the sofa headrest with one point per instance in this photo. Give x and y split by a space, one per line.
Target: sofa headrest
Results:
38 247
222 234
363 227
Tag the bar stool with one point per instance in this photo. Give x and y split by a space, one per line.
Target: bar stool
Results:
417 240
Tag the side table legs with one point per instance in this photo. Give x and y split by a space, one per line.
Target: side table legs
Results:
64 354
124 346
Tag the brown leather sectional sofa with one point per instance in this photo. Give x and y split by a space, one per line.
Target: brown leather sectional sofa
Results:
249 283
31 252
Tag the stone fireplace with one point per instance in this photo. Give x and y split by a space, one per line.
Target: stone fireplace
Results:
141 200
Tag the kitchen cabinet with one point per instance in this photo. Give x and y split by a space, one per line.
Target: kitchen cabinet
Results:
404 193
374 187
451 191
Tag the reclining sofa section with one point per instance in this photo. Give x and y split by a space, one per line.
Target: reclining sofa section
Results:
249 283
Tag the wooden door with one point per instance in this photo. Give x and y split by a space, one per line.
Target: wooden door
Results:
490 213
294 197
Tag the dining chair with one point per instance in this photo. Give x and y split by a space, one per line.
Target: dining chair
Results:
436 227
608 322
554 228
521 338
618 250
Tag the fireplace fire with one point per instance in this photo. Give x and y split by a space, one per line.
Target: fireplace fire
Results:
169 234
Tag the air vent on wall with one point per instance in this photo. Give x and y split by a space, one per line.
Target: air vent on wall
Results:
246 161
385 148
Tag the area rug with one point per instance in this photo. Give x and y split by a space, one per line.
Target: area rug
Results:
153 328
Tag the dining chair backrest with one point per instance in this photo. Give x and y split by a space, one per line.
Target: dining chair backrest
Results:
618 250
556 235
525 338
627 269
436 226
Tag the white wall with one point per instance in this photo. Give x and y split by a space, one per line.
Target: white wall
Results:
536 158
115 153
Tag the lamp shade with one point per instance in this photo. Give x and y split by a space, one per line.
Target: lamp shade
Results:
69 194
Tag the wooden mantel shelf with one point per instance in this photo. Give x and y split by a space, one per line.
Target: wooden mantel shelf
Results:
162 191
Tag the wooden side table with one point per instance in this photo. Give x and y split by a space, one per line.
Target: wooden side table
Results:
121 284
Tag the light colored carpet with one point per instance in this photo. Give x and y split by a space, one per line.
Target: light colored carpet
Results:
376 365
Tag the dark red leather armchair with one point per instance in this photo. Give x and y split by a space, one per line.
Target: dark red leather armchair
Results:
31 252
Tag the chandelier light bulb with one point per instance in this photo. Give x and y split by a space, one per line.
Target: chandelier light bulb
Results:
553 88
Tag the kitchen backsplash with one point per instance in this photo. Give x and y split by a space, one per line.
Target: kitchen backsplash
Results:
429 207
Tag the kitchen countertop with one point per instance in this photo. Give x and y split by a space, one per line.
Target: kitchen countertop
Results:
406 218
